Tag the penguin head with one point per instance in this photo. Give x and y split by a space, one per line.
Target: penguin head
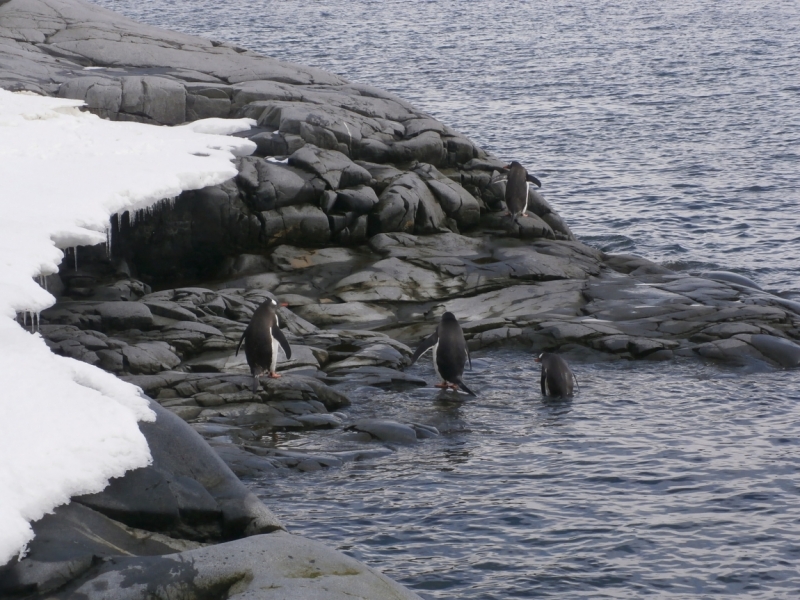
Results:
539 358
448 316
272 301
512 165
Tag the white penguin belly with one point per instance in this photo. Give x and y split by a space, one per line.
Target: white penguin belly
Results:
435 365
274 360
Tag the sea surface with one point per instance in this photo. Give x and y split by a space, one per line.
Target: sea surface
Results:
665 129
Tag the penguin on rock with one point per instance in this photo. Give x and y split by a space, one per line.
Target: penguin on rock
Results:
261 340
450 353
517 189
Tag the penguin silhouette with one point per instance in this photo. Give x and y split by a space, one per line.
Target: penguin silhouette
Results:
450 353
517 190
261 339
557 378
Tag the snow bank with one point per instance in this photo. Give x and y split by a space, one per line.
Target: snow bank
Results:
67 427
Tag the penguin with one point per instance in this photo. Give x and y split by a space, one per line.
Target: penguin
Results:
517 189
450 353
557 378
261 339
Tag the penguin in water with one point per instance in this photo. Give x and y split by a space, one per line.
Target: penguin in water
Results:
557 378
450 353
517 190
261 339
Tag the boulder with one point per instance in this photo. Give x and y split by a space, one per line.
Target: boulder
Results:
124 315
278 566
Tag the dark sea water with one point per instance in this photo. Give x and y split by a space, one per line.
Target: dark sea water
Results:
665 129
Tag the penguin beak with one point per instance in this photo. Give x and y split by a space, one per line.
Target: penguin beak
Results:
284 304
537 359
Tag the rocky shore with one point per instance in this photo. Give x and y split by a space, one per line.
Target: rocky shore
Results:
370 219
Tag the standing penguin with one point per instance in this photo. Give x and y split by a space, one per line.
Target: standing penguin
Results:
557 378
261 339
450 353
517 189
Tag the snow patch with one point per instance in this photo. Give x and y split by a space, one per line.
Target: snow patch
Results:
67 427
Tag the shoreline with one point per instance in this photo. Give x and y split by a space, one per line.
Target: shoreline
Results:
332 231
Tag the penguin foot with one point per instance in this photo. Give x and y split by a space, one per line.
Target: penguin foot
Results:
453 386
274 375
524 214
444 385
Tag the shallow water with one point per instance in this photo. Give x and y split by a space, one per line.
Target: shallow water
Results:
669 130
676 479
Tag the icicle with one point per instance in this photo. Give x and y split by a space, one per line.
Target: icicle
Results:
38 320
108 241
25 318
75 251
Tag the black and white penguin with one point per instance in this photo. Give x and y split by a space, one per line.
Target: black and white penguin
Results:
261 339
557 378
450 353
517 189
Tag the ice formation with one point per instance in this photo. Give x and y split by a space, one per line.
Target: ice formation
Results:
66 427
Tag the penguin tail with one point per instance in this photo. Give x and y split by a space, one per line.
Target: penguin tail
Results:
465 388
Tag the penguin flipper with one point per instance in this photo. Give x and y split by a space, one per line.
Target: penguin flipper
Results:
465 388
543 382
533 179
425 345
239 345
469 358
278 335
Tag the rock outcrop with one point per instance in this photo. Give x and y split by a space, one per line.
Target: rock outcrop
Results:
370 219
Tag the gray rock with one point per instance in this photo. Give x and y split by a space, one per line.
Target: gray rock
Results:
149 358
731 278
407 205
360 199
333 167
279 185
386 431
160 99
456 202
171 310
355 313
784 352
297 224
187 489
299 569
125 315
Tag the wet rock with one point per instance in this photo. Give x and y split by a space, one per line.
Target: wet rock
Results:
731 278
386 431
731 350
382 377
186 491
780 350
